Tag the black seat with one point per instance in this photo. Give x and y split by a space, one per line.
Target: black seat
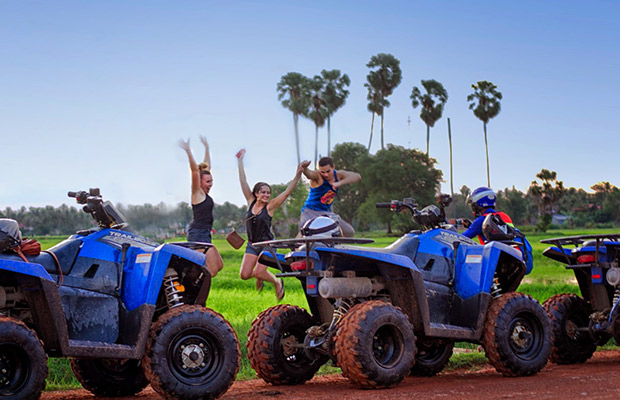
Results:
44 259
65 251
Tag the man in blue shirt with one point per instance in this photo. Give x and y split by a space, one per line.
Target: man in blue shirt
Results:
324 184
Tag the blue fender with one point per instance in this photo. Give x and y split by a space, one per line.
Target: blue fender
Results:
145 270
369 254
478 264
25 268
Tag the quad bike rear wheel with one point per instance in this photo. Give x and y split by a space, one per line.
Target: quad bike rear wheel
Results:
276 346
375 345
110 377
431 358
23 362
517 336
569 315
192 353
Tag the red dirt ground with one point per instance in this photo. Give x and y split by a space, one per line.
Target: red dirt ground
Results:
596 379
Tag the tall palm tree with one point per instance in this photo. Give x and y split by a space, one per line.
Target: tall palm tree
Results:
335 95
374 106
485 101
384 77
318 109
293 92
432 104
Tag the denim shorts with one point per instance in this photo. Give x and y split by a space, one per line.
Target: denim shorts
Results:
255 250
199 235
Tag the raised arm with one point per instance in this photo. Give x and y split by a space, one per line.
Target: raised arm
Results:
309 173
195 174
281 198
207 156
245 188
345 177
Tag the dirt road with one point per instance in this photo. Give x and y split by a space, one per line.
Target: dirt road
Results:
597 379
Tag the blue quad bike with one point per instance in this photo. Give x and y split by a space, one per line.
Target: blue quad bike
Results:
581 323
125 310
381 314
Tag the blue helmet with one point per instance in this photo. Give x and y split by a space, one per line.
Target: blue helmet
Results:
482 197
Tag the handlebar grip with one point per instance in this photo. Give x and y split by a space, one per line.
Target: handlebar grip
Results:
384 205
72 194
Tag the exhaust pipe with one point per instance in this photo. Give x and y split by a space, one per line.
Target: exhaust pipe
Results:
345 287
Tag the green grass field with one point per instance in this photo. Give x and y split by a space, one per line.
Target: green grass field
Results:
239 302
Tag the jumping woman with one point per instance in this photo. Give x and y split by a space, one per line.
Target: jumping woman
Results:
202 204
258 225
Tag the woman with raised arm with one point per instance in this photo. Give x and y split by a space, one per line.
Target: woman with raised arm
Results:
202 204
258 224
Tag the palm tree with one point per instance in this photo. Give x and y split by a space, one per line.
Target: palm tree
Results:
335 95
293 88
374 106
318 109
485 103
384 79
432 104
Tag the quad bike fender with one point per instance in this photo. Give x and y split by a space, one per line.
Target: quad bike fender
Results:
277 262
137 289
24 268
403 279
478 266
397 260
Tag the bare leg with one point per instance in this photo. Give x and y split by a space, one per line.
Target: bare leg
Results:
214 261
250 267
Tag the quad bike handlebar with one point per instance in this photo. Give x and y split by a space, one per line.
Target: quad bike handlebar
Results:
429 217
106 215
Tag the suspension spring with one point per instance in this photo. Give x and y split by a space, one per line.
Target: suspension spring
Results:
342 307
173 289
496 289
616 296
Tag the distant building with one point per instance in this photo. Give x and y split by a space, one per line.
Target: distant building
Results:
559 219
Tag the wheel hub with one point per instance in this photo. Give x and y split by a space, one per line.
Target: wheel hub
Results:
571 329
193 355
14 369
521 335
5 371
289 345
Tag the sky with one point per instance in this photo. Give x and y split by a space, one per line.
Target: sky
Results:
98 93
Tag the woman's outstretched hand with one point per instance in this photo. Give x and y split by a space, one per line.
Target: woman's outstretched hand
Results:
184 144
203 140
240 154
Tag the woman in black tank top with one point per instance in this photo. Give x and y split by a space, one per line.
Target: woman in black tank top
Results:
202 204
258 224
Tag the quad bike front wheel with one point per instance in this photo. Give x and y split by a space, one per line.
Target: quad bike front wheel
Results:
192 353
276 346
517 336
110 377
23 362
569 315
375 345
431 358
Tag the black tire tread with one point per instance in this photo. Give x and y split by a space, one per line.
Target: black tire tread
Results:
429 369
155 368
15 330
565 351
354 359
262 339
495 331
90 378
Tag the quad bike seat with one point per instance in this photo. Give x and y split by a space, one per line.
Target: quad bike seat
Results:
65 252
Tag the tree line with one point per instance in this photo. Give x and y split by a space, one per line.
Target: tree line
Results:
392 173
318 98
